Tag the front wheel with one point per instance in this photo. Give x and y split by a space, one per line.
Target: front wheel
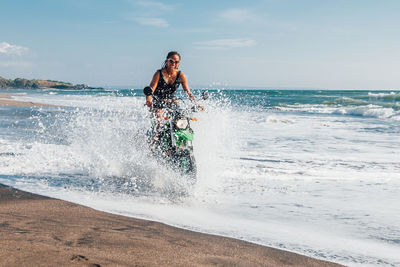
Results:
186 165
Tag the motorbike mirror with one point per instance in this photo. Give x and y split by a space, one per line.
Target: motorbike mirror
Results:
148 91
204 95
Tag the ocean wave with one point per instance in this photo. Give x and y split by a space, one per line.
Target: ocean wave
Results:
368 111
345 101
274 119
386 96
371 111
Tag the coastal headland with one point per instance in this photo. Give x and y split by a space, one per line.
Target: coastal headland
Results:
21 83
41 231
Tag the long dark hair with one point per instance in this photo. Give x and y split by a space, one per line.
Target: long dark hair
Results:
170 54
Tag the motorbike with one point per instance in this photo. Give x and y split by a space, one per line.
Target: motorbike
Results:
171 137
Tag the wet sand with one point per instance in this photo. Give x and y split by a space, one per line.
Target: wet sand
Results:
7 100
41 231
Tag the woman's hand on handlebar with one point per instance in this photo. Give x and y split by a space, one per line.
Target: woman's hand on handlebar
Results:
196 108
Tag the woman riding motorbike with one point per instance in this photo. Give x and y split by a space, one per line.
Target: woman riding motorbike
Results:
162 91
165 82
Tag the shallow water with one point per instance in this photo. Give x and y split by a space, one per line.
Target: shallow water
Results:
314 172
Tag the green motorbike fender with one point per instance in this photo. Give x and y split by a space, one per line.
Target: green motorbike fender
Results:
183 135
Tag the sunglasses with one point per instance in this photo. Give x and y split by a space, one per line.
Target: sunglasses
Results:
173 61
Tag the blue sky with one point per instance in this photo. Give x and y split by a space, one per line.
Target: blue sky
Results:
332 44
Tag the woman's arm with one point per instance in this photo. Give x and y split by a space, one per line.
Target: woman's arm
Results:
153 85
187 90
185 87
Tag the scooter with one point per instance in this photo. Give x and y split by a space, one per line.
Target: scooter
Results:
171 137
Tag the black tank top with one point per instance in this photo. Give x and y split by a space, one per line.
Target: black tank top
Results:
165 90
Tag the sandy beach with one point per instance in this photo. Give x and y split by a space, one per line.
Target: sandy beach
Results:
7 100
40 231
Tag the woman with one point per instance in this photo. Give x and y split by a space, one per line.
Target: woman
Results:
162 90
165 82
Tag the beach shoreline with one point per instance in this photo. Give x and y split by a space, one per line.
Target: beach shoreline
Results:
42 231
7 100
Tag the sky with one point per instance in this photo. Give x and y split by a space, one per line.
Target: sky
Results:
315 44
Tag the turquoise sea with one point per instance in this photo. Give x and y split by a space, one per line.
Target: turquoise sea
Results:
316 172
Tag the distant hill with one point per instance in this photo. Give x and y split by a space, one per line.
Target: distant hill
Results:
20 83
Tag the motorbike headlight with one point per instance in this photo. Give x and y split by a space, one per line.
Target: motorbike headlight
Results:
182 124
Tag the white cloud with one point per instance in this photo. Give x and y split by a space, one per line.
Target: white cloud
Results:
9 49
225 43
238 15
153 4
150 13
156 22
